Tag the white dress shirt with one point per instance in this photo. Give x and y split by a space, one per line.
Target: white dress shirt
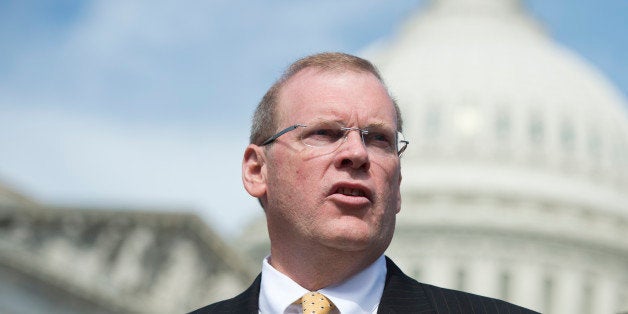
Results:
358 294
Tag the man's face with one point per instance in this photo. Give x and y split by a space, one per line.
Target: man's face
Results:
346 199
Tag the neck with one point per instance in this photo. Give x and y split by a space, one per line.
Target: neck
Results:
326 267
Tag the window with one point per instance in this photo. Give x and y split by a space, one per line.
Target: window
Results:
548 294
432 122
502 124
536 128
594 143
587 298
567 136
461 279
504 285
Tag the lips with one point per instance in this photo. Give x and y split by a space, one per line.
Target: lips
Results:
352 190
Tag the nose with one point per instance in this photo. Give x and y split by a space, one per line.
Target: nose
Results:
352 153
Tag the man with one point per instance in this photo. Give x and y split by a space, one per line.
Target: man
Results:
324 163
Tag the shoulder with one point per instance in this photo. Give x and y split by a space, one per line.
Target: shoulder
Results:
404 294
245 302
448 300
232 305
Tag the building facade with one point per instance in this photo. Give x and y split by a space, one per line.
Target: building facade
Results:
107 260
516 183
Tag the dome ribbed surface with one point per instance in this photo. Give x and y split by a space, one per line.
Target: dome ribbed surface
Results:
493 105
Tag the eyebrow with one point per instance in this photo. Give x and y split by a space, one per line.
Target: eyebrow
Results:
378 124
339 121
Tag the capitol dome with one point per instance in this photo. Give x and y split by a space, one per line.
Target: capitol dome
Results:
516 181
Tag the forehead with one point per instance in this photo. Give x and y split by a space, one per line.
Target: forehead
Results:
348 96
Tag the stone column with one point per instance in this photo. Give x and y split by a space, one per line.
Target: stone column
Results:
527 286
605 296
483 277
439 271
568 293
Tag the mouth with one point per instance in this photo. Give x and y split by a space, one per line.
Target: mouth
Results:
352 190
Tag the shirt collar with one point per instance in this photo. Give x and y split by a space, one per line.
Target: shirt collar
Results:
358 294
277 291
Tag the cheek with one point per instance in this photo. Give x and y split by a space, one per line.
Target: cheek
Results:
389 190
296 185
388 177
305 177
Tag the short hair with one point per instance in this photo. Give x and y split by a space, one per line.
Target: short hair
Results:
265 118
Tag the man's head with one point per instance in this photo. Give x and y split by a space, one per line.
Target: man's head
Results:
321 184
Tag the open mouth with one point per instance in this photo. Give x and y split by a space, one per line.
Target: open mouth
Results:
350 191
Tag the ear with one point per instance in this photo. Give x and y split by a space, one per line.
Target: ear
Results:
254 171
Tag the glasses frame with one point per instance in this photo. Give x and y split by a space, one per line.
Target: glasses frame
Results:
362 132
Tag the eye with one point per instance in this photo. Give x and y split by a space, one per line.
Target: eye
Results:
321 136
379 140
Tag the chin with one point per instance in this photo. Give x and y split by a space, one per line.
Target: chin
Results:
352 241
349 246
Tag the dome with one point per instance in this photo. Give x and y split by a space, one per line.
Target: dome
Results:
480 83
517 148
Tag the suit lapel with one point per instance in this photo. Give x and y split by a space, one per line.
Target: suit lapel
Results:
248 301
402 294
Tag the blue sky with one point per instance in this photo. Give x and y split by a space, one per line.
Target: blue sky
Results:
147 103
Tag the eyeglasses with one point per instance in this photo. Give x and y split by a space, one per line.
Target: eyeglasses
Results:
327 136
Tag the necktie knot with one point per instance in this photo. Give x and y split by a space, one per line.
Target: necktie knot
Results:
316 303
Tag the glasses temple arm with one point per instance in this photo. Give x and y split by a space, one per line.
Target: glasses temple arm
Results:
282 132
404 147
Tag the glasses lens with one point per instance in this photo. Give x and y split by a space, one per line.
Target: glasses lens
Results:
324 135
327 136
380 141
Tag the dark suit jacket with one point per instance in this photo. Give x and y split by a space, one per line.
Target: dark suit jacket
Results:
402 294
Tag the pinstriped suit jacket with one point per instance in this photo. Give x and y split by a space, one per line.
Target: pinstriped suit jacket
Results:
402 294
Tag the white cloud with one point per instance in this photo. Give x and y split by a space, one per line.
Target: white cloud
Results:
158 60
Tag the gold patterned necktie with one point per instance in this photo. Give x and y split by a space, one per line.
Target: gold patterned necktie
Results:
316 303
